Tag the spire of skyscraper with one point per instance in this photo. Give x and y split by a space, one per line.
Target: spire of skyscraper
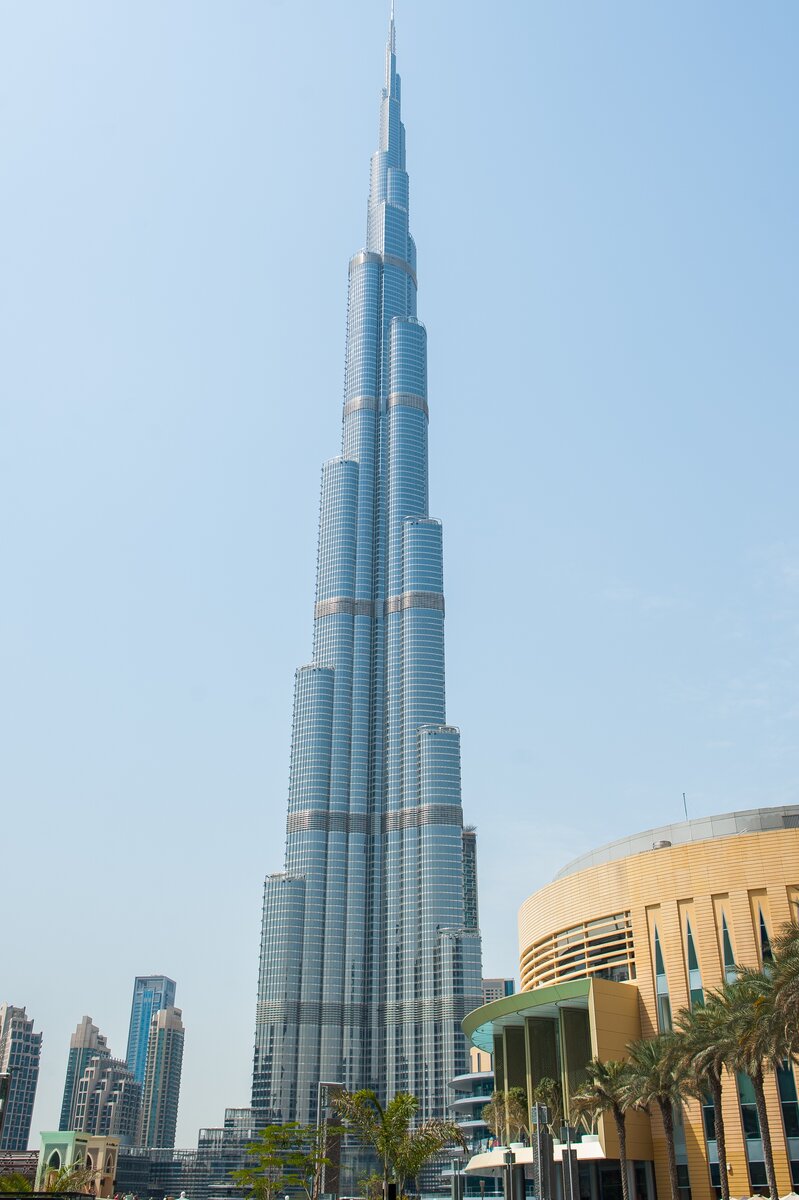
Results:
370 955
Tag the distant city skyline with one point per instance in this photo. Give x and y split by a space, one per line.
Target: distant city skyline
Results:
610 194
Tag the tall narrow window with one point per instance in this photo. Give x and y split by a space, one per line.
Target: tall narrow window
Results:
694 977
790 1116
709 1123
661 988
730 972
681 1154
765 943
751 1126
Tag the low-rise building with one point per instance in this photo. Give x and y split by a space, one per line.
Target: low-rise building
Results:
618 943
64 1149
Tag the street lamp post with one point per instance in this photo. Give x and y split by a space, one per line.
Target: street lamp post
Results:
509 1161
571 1183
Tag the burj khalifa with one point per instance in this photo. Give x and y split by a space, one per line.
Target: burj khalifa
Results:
370 947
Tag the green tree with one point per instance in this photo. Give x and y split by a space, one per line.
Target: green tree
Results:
585 1110
784 973
705 1046
605 1090
506 1114
549 1092
402 1148
420 1145
371 1186
657 1076
15 1182
761 1042
76 1178
287 1156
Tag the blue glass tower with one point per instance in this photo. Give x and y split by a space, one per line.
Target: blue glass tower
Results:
151 994
370 952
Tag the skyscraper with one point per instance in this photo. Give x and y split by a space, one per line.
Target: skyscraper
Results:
151 993
85 1044
159 1108
497 989
20 1051
370 953
108 1100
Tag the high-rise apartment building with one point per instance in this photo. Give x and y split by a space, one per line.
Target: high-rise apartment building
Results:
159 1110
370 955
108 1100
151 993
497 989
20 1051
85 1044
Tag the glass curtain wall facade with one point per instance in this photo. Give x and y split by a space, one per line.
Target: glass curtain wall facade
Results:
370 952
20 1052
151 994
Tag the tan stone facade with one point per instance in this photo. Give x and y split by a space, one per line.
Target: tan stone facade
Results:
706 904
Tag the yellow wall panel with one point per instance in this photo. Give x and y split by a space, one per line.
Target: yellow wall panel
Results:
736 875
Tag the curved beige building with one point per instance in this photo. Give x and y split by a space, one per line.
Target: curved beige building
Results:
664 916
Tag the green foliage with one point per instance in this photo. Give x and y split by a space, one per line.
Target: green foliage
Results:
402 1148
371 1186
15 1182
76 1178
549 1092
658 1077
656 1073
605 1090
506 1114
287 1157
705 1045
784 974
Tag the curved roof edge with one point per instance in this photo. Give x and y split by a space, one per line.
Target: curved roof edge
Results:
750 820
478 1025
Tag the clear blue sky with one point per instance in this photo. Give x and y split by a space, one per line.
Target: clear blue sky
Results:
605 202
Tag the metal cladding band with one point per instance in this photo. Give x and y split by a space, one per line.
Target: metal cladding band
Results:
404 818
408 400
386 260
339 822
344 604
425 814
357 402
312 1012
421 1010
415 600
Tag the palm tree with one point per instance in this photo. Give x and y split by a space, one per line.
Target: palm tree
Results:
422 1144
402 1150
657 1075
705 1045
761 1043
75 1178
605 1090
784 972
